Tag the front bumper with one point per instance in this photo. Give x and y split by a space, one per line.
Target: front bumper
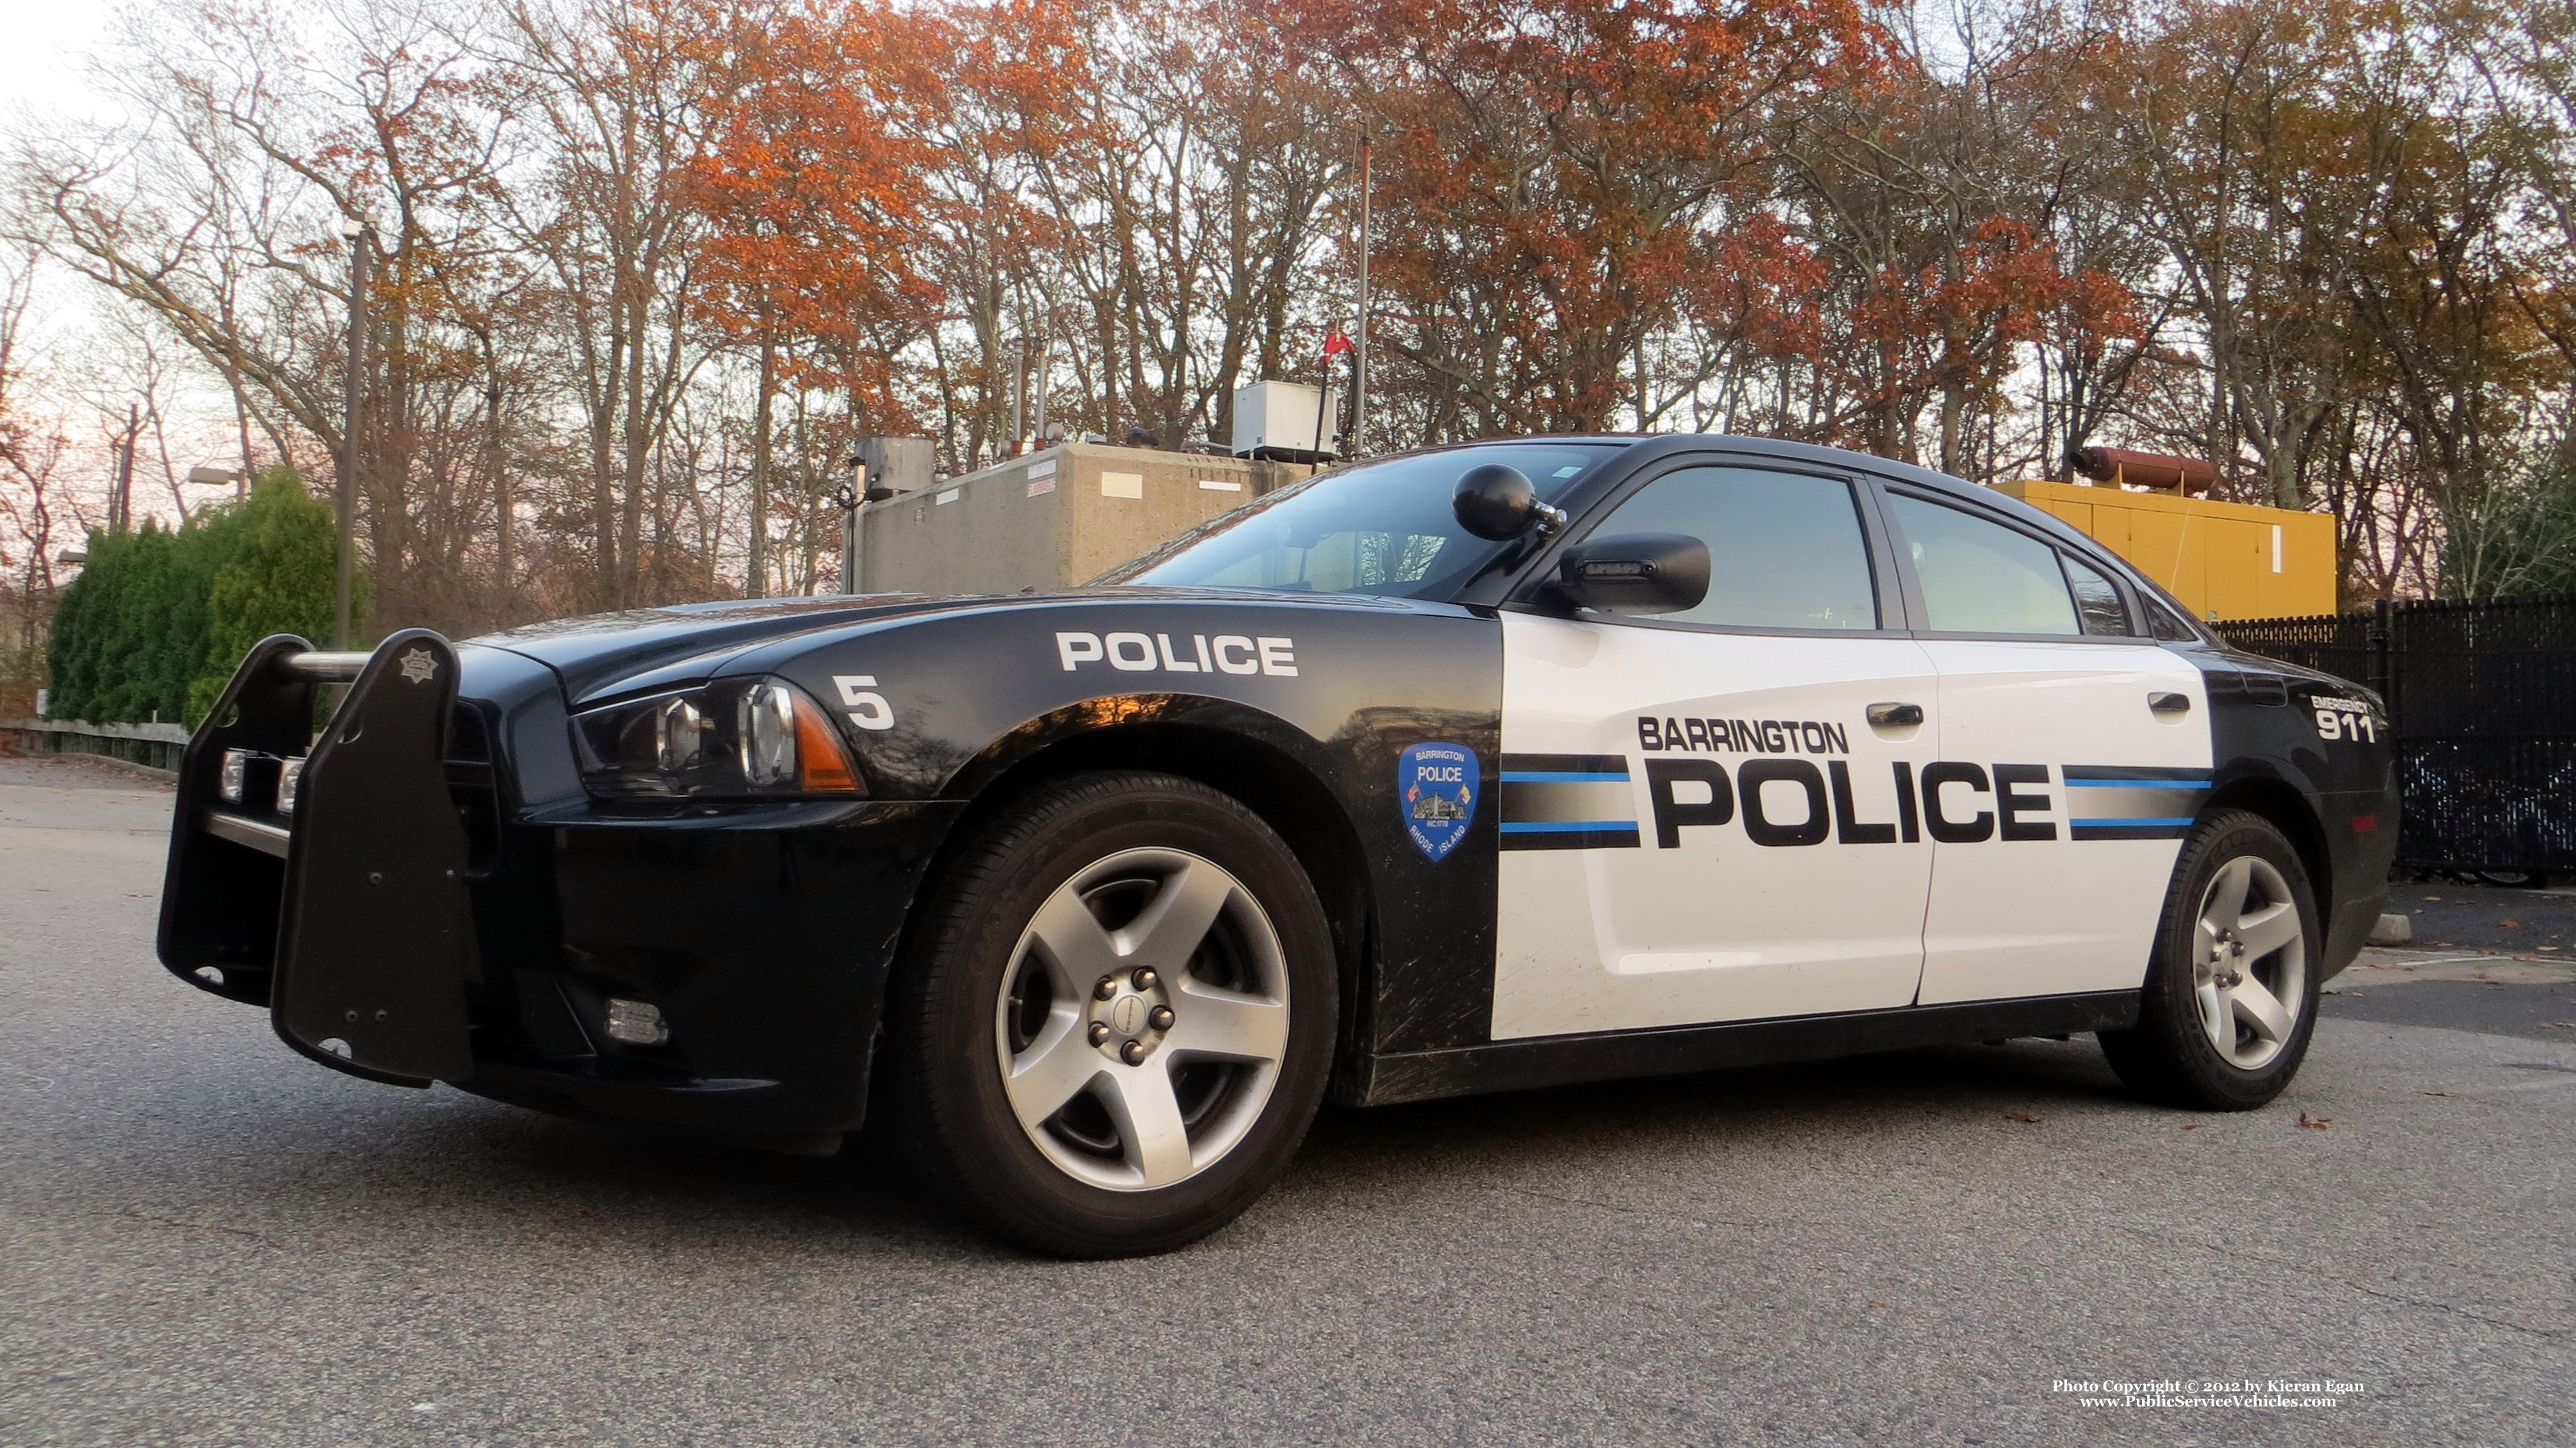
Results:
417 918
762 935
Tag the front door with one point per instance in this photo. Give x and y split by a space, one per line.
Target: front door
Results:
1699 822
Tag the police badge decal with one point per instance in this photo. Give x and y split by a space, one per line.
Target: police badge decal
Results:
1436 784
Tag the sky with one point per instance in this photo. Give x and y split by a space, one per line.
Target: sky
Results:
41 65
44 70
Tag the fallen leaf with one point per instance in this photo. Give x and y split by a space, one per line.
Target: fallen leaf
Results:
2194 1127
2317 1123
2510 924
1874 1302
2019 1116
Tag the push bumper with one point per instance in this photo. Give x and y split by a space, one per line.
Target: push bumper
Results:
410 921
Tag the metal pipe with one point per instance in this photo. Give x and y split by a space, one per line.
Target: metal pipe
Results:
339 667
851 524
1019 349
1359 362
120 508
756 564
352 402
1037 404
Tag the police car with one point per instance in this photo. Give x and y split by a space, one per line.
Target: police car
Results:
1473 769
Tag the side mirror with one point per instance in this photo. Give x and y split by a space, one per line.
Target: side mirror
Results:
1498 502
1635 573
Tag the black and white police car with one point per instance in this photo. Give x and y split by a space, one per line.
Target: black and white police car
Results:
1473 769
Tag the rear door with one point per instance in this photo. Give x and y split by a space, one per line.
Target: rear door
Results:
1698 822
2063 789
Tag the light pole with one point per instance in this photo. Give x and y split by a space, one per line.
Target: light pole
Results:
360 234
1359 362
120 504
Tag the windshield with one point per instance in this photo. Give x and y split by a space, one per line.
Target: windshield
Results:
1383 528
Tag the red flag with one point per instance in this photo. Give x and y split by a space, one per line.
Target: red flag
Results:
1336 344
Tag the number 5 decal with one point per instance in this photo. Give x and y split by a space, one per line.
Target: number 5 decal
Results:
867 710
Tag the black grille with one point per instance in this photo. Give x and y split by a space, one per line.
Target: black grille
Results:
474 783
2483 694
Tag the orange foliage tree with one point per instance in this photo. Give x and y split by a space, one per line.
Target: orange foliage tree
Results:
1559 179
816 185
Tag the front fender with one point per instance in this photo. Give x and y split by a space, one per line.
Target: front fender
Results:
1338 687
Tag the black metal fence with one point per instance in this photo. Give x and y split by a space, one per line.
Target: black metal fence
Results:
2484 699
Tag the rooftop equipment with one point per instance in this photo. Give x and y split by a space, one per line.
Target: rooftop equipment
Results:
1288 422
2222 560
2122 468
896 464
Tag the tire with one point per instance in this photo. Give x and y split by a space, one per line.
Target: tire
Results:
1117 1021
2231 994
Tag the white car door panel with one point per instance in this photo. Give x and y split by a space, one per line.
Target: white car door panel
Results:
2060 890
1703 827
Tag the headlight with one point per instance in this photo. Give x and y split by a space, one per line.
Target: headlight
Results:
735 738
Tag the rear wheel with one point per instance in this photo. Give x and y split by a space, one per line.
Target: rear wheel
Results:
1119 1021
2230 997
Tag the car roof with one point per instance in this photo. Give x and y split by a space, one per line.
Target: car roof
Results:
1659 443
1654 445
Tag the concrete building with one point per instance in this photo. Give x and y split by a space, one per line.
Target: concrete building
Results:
1058 517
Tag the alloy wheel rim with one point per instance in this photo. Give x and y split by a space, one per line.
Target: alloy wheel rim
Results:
2249 962
1141 1024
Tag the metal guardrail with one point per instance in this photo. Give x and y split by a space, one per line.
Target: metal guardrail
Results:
158 746
152 746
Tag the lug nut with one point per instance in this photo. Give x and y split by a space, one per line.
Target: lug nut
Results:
1162 1018
1100 1033
1108 987
1132 1053
1144 977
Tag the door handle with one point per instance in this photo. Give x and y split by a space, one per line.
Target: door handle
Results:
1894 716
2169 703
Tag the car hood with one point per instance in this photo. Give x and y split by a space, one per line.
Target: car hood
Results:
613 652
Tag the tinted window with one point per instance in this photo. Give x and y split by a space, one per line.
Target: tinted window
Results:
1784 550
1981 577
2166 624
2097 602
1382 528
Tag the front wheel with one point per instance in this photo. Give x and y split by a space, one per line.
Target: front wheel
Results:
2231 994
1119 1019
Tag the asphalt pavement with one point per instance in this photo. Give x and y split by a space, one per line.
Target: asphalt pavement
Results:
207 1240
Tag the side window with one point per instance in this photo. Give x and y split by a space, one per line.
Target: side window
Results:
1785 550
2097 601
1981 577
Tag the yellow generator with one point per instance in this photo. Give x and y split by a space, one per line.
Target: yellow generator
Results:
2223 560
